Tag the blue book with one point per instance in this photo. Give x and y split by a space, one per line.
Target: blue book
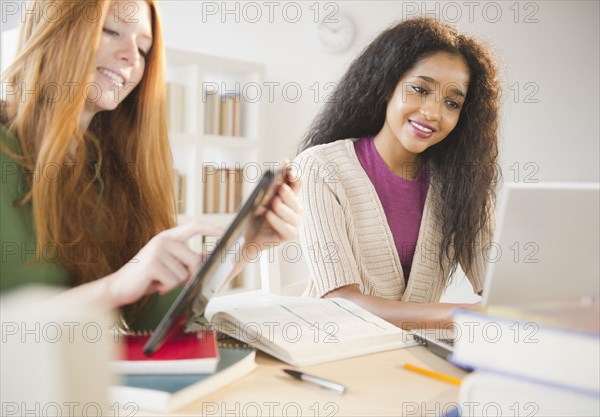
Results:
169 392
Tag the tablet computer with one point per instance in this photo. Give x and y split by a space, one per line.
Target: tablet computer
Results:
216 269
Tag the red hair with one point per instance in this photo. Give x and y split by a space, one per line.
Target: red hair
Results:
108 198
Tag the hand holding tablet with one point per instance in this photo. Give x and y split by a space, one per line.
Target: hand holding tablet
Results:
273 200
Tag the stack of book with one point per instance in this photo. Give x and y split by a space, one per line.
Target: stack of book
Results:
222 114
540 359
222 189
188 367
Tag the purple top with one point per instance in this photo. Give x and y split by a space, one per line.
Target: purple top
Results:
402 200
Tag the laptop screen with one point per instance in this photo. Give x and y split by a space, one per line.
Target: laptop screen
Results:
546 243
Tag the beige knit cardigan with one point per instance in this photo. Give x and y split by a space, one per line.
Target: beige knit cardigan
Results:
346 238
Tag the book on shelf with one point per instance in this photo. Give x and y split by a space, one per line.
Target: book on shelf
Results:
555 343
236 123
303 331
184 353
233 186
226 118
222 113
222 189
176 106
230 114
212 112
167 393
210 179
180 191
485 393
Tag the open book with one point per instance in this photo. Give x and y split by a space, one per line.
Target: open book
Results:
303 331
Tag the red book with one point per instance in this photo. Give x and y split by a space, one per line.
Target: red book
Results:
183 353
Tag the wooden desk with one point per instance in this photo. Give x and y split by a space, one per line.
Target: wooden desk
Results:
378 386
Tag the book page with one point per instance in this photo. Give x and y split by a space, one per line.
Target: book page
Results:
298 329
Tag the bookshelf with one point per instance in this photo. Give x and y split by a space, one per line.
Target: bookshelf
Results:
215 130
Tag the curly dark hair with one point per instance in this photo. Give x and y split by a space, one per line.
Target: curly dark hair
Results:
465 162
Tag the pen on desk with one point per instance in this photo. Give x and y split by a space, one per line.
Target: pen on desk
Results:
432 374
325 383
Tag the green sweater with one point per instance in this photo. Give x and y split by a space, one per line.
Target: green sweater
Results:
18 240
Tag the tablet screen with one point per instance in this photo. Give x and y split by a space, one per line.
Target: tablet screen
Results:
216 270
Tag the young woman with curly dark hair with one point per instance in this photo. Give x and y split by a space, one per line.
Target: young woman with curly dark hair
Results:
400 174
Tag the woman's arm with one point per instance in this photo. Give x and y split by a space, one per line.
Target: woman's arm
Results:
405 315
163 264
166 262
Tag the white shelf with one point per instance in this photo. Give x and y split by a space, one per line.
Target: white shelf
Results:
182 139
220 141
222 219
233 142
178 57
192 148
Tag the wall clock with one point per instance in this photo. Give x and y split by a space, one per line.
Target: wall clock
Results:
336 33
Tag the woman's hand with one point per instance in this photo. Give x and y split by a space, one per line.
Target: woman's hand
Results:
282 218
165 263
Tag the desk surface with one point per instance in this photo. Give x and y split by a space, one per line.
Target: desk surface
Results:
377 385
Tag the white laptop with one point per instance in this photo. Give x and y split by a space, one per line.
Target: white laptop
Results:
548 235
546 246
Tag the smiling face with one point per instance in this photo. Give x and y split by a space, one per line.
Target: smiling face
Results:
121 57
424 108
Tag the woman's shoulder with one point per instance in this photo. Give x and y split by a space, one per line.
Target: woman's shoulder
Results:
10 167
8 141
334 166
13 186
16 226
